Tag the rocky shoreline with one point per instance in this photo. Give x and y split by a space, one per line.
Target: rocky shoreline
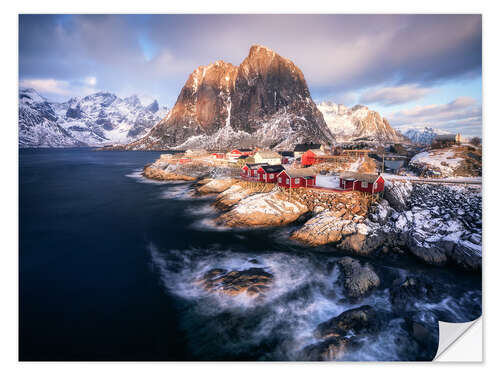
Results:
440 225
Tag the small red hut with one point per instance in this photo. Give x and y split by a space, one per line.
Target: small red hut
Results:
250 170
294 178
311 157
364 182
269 173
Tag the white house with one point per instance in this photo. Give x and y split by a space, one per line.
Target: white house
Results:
269 157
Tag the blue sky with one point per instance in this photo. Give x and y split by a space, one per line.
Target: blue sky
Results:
416 70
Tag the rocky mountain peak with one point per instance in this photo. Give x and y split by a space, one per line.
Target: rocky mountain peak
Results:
264 101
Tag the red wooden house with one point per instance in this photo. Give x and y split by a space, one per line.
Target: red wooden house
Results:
185 160
294 178
237 152
269 173
218 155
311 157
367 183
250 170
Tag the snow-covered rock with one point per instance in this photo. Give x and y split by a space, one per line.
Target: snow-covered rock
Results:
265 209
97 119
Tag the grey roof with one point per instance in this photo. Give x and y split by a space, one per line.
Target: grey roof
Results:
366 177
306 146
272 168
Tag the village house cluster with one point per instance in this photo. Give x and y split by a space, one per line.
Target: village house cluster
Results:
297 168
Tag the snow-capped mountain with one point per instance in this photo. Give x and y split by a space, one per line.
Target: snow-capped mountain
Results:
423 136
38 123
357 123
262 102
97 119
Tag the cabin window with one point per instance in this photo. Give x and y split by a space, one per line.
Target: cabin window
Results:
279 180
271 175
364 184
297 180
287 180
375 186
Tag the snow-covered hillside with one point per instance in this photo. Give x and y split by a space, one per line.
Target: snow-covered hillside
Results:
423 136
97 119
357 123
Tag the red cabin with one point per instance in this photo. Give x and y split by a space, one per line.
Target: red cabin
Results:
295 178
218 155
250 170
311 157
367 183
269 173
237 152
185 160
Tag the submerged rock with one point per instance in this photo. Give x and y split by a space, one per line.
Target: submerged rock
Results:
331 349
358 279
356 321
253 281
410 290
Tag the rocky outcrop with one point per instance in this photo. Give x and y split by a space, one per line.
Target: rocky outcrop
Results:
264 209
341 333
253 281
357 279
263 102
216 186
159 174
438 224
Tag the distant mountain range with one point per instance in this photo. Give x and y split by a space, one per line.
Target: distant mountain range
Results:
357 124
265 102
423 136
95 120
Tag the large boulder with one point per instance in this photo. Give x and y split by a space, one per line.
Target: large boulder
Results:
331 349
361 320
265 209
253 281
357 279
216 186
164 175
398 194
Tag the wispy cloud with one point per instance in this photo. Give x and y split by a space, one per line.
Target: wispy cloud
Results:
388 96
464 114
47 86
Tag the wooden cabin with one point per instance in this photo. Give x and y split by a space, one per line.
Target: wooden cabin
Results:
364 182
294 178
269 173
237 152
185 160
250 169
218 155
301 148
311 157
269 157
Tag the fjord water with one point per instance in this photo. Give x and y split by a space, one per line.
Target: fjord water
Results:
108 263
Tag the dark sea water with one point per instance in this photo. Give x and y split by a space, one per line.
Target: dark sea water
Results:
108 263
